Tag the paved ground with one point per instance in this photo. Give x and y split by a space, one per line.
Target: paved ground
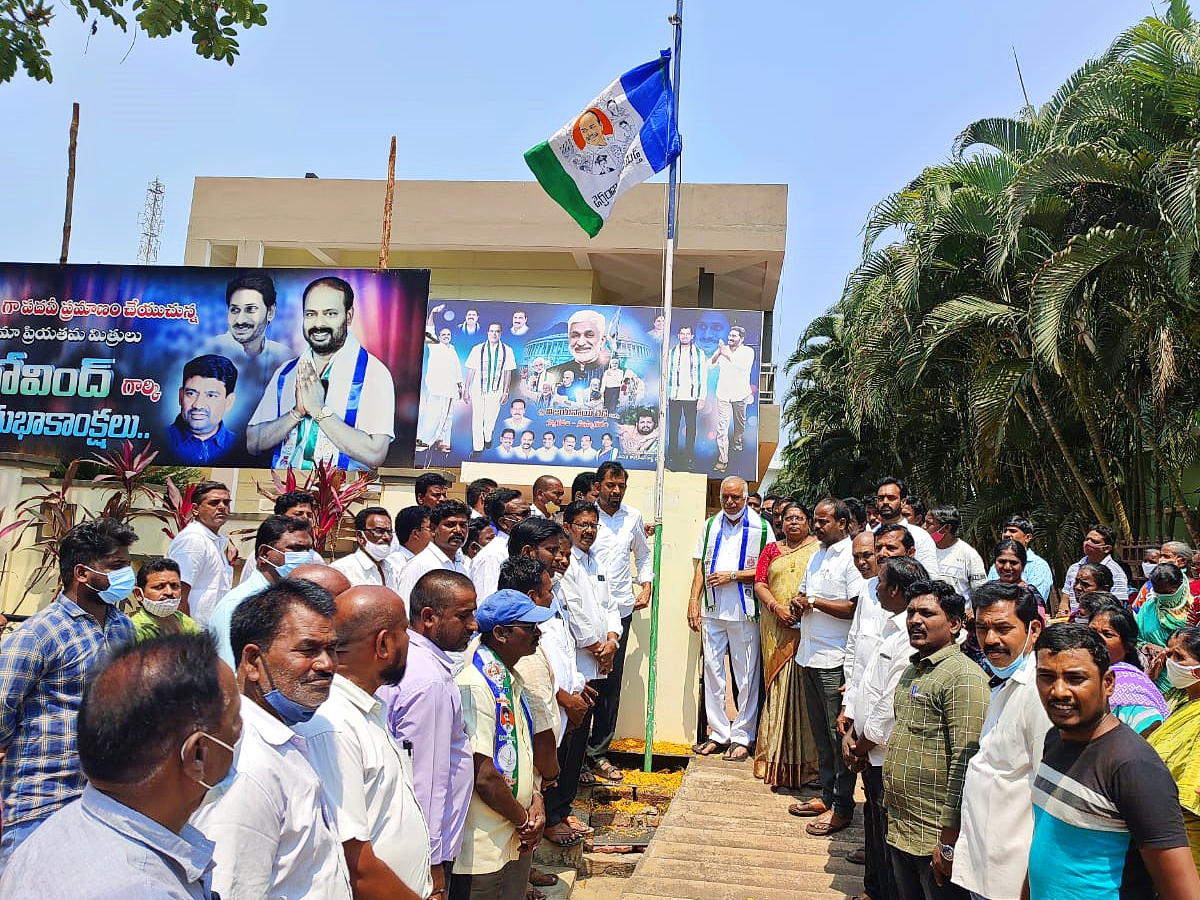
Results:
726 836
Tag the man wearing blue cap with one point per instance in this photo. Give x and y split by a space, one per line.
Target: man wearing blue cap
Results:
506 816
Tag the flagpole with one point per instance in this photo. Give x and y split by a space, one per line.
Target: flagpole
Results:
664 400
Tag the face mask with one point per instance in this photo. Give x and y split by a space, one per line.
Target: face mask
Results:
1147 568
394 545
216 790
120 584
292 560
1006 672
1180 676
552 508
291 711
378 552
163 609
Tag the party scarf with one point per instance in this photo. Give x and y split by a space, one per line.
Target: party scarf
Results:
505 754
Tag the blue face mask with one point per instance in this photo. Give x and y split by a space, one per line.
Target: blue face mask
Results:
1006 672
292 560
291 711
120 584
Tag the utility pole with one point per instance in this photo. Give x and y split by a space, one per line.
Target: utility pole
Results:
66 243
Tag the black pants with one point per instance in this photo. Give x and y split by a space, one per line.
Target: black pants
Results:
608 699
914 879
571 751
685 409
823 699
878 880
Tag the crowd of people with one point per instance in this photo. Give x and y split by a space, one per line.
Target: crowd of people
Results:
412 719
1015 741
407 721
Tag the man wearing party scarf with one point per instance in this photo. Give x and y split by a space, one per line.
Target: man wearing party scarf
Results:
280 546
44 665
722 607
506 816
271 829
373 532
992 851
336 402
490 370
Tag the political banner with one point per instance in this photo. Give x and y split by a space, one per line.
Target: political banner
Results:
211 366
574 385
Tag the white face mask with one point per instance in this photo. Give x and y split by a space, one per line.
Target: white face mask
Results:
1180 676
1147 568
162 609
378 552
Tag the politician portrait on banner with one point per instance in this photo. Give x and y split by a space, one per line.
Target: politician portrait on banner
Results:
211 366
576 385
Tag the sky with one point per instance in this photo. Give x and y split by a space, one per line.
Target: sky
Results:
843 103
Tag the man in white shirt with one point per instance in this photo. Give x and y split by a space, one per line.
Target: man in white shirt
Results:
889 495
735 391
505 507
548 494
687 388
443 385
517 420
200 551
490 369
336 402
870 713
449 523
548 452
958 561
413 535
366 778
991 854
723 608
1097 549
373 532
272 830
622 536
826 604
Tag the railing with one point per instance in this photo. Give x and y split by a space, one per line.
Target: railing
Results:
766 383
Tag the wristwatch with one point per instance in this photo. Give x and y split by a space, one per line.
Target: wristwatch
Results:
325 413
946 850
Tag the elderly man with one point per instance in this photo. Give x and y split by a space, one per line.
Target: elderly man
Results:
44 666
992 850
548 494
723 608
735 368
424 712
506 816
366 777
157 730
272 836
336 402
281 545
1098 546
587 339
443 384
826 604
373 533
200 551
491 367
449 522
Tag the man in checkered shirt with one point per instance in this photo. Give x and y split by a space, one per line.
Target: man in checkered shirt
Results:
43 668
941 702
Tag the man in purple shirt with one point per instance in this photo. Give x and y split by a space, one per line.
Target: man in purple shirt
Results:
424 712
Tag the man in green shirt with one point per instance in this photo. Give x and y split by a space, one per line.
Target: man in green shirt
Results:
941 702
159 588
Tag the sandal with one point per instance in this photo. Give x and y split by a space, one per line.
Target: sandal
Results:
814 807
579 828
561 835
736 753
824 825
586 776
606 770
858 856
708 748
542 879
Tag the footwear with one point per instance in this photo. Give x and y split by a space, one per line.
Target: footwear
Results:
532 893
858 856
708 748
421 445
826 824
579 828
606 770
542 879
736 753
814 807
720 467
586 776
561 835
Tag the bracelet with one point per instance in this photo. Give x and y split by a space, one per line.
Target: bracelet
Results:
295 415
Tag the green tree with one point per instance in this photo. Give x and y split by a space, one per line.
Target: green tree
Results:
213 24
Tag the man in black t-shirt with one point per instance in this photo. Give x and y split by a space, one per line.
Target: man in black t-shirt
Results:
1107 821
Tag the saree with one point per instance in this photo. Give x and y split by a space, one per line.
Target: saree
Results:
1135 699
786 754
1156 623
1176 740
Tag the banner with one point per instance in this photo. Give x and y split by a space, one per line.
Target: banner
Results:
213 367
554 384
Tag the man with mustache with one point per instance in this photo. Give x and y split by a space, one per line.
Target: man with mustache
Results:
269 826
449 520
336 402
367 778
491 367
940 704
198 436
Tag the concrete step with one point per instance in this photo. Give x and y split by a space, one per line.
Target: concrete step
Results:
567 878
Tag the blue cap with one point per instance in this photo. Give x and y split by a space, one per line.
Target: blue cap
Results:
507 607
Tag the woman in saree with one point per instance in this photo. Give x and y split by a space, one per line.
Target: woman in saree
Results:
1178 738
785 755
1164 613
1135 699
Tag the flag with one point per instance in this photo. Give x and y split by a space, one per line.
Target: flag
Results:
623 137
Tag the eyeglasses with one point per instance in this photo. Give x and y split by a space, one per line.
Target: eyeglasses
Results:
530 626
585 526
379 532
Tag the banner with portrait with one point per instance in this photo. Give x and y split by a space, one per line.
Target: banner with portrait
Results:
212 366
562 384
